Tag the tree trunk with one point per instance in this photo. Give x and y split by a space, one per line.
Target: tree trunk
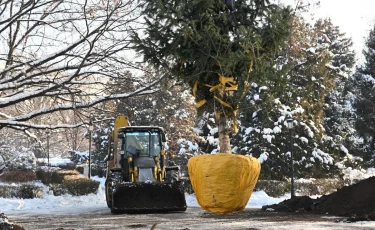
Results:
224 140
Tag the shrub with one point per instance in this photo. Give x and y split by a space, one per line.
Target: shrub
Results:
28 191
95 170
25 191
78 185
58 189
68 166
319 186
41 164
44 174
302 187
64 173
22 161
98 171
78 157
53 176
273 188
18 176
80 169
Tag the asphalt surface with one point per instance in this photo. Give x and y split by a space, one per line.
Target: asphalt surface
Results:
193 218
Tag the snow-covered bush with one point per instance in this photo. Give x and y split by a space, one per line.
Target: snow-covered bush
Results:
21 160
23 191
354 175
29 191
78 157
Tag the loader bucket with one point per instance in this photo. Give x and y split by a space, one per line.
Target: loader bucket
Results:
142 197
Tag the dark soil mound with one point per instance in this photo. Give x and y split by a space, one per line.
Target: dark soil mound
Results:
296 204
356 201
5 224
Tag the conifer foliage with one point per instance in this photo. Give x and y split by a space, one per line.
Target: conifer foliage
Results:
364 82
339 115
215 46
305 74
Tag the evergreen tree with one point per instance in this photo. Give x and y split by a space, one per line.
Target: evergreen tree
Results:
308 76
216 47
100 141
364 81
339 125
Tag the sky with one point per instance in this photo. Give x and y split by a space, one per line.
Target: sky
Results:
355 18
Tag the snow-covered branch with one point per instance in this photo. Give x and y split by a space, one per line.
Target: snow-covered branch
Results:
80 104
65 55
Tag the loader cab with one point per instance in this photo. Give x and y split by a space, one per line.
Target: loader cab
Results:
141 141
142 154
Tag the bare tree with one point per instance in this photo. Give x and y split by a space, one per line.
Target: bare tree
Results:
64 53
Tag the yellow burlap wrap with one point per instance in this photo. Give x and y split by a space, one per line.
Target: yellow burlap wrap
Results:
223 183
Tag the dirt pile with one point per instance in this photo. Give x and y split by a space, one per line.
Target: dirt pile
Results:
356 201
5 224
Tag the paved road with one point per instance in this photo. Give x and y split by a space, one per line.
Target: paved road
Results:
192 219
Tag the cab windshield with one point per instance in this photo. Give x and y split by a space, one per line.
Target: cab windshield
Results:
146 144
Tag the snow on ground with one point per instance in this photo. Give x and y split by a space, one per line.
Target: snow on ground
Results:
84 204
56 161
56 204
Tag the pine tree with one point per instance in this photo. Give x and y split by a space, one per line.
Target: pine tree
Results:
216 47
307 77
364 81
338 124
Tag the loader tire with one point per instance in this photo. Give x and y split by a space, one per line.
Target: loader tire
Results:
109 199
108 195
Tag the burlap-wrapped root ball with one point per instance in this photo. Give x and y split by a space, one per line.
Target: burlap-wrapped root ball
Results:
223 183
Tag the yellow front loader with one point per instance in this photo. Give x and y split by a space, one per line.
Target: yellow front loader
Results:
138 179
